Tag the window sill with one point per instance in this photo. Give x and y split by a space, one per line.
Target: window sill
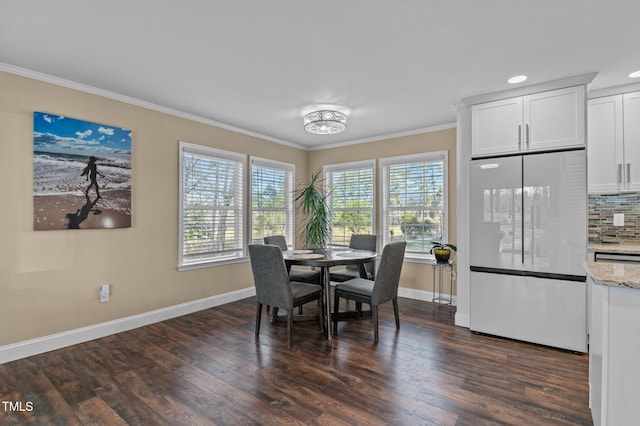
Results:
212 264
422 259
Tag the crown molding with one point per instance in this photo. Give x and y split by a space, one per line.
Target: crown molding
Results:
616 90
584 79
23 72
387 136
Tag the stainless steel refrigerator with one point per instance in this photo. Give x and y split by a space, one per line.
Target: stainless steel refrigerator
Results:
528 232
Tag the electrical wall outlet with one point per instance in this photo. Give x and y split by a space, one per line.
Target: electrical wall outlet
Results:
618 219
105 290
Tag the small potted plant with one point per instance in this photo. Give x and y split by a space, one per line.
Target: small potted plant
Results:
442 250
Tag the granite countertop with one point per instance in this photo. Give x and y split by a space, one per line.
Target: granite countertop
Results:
622 248
614 274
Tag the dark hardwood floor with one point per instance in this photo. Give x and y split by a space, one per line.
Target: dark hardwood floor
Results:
206 368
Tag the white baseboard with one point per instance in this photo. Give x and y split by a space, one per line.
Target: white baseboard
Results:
427 296
67 338
52 342
462 320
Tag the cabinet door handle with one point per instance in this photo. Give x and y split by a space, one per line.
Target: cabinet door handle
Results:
620 173
628 172
519 136
527 134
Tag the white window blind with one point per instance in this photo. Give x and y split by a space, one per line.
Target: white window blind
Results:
351 187
414 200
211 205
272 211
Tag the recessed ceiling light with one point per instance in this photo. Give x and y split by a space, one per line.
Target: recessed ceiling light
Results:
635 74
517 79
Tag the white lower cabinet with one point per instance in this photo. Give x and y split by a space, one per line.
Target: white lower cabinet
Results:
614 355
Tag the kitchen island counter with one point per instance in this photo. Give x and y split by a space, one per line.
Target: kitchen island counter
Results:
614 274
614 346
622 248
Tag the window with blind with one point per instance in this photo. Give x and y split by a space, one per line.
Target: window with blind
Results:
271 200
211 205
351 187
414 200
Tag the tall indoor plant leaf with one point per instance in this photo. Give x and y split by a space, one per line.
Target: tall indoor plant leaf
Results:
312 199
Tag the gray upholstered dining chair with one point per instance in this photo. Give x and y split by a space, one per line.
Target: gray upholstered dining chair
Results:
301 275
375 293
273 287
360 242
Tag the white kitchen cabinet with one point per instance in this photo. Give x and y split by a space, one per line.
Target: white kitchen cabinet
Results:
597 298
605 144
614 351
537 122
614 143
631 104
497 126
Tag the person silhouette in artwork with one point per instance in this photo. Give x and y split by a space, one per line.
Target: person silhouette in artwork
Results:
91 172
75 219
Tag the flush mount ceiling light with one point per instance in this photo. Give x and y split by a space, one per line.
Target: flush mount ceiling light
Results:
635 74
325 122
517 79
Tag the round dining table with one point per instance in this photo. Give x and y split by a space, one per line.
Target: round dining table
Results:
325 259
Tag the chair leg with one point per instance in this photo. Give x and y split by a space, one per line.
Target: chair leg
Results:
374 315
258 317
336 310
359 309
274 314
289 327
396 313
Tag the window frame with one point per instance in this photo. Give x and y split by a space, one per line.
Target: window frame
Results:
432 156
329 169
290 212
240 211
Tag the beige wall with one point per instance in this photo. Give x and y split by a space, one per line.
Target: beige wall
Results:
49 280
418 276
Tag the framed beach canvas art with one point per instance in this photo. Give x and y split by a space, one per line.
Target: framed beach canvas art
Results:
81 174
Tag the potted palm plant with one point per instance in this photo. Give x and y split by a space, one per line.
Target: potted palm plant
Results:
442 250
312 202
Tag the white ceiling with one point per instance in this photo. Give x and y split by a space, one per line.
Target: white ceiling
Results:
394 66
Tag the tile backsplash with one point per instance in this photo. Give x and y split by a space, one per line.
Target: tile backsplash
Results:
600 210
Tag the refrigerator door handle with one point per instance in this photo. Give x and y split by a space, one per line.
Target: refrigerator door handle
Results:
532 246
525 273
628 172
527 135
522 206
